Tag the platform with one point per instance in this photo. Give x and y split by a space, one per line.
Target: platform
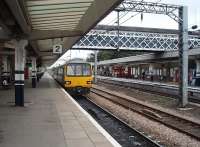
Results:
50 118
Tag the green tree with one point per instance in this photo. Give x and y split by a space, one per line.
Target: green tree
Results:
90 57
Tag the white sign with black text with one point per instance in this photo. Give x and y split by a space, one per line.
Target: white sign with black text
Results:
57 49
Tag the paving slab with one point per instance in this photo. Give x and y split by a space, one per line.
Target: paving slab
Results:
49 119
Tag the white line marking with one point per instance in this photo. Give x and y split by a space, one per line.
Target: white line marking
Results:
195 104
93 121
19 84
19 77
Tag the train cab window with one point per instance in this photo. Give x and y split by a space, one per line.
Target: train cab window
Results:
71 70
78 69
86 70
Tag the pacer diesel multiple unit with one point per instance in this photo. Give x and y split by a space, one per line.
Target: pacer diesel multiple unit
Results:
75 76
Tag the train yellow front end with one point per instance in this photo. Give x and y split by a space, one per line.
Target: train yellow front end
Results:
78 85
75 76
78 77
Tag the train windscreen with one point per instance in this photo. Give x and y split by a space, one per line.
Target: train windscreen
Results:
78 69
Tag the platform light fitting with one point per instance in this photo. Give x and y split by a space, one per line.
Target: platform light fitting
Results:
194 27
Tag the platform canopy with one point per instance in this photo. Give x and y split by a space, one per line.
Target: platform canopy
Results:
48 22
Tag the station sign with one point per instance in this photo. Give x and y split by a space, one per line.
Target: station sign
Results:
57 49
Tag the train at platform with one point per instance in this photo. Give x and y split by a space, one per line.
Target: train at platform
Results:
75 76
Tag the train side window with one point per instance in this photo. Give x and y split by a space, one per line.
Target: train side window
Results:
65 70
60 71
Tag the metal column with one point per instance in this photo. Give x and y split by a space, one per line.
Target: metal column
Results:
95 66
19 72
183 54
34 72
118 30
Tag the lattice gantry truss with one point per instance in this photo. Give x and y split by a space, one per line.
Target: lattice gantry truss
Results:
150 7
142 41
148 41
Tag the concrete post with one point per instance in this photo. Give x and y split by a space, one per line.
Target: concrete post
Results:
151 71
183 54
6 69
95 66
9 65
19 72
34 72
151 68
139 72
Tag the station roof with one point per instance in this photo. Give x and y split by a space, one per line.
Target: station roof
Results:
193 53
48 22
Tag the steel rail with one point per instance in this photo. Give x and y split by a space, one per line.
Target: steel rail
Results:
191 90
181 124
89 98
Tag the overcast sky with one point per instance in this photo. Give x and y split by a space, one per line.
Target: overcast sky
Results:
159 21
149 20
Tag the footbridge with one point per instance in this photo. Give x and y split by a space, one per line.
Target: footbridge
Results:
134 38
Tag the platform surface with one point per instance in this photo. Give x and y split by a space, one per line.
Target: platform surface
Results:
49 119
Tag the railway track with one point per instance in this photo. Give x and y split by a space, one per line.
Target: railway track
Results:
179 123
155 88
122 132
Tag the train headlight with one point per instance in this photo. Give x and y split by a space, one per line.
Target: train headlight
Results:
89 82
68 82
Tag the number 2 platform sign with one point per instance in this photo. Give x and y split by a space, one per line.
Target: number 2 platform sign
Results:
57 49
